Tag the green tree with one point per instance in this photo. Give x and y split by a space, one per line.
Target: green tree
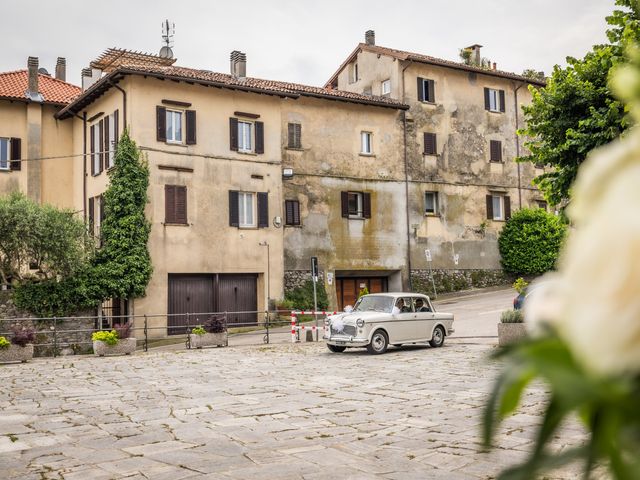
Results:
530 241
576 111
122 265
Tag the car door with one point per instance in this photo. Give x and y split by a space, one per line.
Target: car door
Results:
404 322
425 318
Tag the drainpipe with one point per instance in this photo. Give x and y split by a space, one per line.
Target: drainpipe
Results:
406 179
84 165
515 99
124 102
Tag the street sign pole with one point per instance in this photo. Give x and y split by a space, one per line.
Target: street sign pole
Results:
427 253
314 275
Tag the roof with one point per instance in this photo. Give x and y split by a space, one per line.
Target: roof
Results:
113 58
222 80
420 58
14 85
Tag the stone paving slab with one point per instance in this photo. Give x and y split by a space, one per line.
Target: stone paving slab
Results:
293 412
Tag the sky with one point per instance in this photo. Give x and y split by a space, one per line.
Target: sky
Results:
301 41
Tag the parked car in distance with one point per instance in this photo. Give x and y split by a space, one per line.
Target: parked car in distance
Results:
382 319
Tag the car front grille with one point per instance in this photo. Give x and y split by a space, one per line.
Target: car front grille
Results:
349 331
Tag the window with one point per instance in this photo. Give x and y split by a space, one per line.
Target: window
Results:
430 147
426 90
291 212
175 204
174 126
248 209
294 136
246 136
353 73
356 204
494 100
498 207
495 151
5 151
431 203
97 142
542 204
365 143
111 137
386 87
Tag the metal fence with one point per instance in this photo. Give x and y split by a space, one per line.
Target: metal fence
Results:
58 335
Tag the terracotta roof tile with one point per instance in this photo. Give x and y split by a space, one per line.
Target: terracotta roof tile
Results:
15 84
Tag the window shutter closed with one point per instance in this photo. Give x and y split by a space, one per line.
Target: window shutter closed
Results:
101 209
502 100
234 214
490 207
292 212
180 204
263 210
291 128
495 151
101 146
431 91
91 215
107 144
161 124
116 128
487 101
259 137
366 205
92 131
507 208
344 197
16 154
298 129
169 204
233 135
430 147
420 90
191 127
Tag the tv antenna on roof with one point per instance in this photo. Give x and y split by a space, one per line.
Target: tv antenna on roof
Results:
168 31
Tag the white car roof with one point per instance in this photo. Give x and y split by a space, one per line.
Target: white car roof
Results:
398 294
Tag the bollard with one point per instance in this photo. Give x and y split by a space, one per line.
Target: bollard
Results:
309 336
293 327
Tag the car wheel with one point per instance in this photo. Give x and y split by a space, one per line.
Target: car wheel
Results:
437 340
379 343
336 348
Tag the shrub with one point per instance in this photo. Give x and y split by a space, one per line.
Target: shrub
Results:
110 338
512 316
215 324
302 297
123 330
23 335
520 285
4 343
530 241
285 305
198 330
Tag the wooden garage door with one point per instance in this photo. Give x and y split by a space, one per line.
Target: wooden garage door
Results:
238 293
193 294
347 289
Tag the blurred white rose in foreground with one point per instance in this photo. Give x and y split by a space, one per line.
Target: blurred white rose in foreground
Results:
597 299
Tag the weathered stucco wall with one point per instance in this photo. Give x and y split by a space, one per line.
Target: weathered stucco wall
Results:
13 123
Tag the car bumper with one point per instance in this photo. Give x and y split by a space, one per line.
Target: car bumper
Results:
344 341
450 331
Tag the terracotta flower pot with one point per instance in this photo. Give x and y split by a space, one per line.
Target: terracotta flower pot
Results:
509 333
208 340
16 353
125 346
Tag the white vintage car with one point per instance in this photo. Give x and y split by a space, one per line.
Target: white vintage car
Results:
384 319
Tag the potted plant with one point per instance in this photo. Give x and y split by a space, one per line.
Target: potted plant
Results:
511 327
114 342
20 349
212 333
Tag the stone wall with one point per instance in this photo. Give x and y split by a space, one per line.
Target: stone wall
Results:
297 278
455 280
64 342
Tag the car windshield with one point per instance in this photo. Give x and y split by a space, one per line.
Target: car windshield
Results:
374 303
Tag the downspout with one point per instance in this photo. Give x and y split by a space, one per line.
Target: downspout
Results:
84 164
124 102
406 179
515 99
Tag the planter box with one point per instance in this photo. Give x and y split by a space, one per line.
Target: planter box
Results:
125 346
208 340
16 353
509 333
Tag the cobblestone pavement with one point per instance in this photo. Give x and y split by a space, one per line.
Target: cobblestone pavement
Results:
273 412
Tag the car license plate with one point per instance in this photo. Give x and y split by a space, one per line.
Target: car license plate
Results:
340 343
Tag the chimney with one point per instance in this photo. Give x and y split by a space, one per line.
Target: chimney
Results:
475 54
370 37
87 79
238 64
61 69
32 65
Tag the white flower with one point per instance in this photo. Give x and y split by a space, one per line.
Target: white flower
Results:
544 304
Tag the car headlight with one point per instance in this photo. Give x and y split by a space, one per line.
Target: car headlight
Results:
360 323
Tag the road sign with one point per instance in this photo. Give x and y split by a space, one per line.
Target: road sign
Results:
314 268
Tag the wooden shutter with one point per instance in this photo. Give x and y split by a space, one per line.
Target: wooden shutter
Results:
234 214
106 143
161 124
490 207
344 200
294 131
233 135
263 210
100 146
180 204
420 90
430 147
366 205
91 216
431 91
259 137
292 212
487 101
507 207
92 131
101 208
191 127
495 150
169 204
116 128
16 154
502 100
